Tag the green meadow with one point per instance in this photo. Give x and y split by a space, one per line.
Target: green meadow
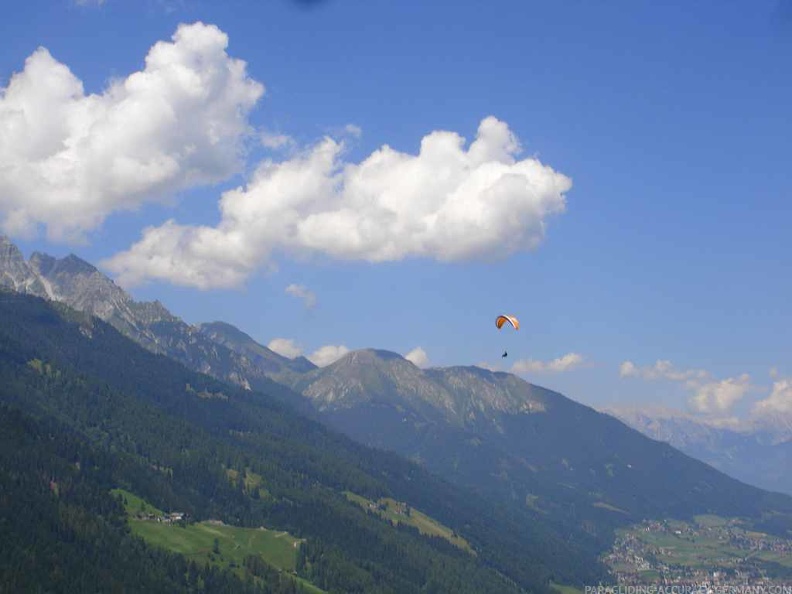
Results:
214 542
399 513
221 544
563 589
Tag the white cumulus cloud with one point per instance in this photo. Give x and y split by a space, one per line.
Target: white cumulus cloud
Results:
719 397
708 395
321 357
308 297
69 158
327 354
285 347
418 357
353 130
564 363
275 141
662 369
451 201
779 402
488 366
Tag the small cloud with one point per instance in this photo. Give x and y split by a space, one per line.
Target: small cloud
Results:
718 397
779 402
274 141
302 292
628 369
488 366
285 347
353 130
775 411
321 357
418 357
324 356
89 2
565 363
662 369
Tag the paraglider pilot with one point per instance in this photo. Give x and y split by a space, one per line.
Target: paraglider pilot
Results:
501 320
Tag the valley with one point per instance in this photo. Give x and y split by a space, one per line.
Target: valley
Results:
707 551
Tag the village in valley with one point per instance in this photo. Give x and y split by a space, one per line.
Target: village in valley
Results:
710 552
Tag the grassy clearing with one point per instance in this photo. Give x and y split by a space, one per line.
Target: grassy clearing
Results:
251 482
400 513
563 589
220 544
214 542
134 505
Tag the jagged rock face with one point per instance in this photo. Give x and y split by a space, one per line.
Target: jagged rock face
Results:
16 274
80 285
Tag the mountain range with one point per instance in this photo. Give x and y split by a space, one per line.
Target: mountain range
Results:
578 472
85 411
82 286
756 454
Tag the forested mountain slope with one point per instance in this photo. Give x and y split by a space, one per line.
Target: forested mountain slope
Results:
173 436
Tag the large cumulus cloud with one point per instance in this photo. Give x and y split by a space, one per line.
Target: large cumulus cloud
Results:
68 159
449 202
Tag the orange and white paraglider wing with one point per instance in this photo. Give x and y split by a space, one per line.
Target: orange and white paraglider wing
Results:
501 320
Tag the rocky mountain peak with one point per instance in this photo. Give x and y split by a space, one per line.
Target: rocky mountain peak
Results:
15 273
9 250
75 265
42 263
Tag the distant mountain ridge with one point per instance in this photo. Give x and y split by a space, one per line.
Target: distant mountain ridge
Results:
753 454
458 394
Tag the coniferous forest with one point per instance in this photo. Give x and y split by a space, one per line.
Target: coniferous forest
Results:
85 410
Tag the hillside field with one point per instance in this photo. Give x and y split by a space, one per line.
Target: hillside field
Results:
212 541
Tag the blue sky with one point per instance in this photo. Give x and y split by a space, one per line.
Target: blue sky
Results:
671 122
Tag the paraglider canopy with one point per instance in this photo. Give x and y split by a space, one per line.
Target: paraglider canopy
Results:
501 320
